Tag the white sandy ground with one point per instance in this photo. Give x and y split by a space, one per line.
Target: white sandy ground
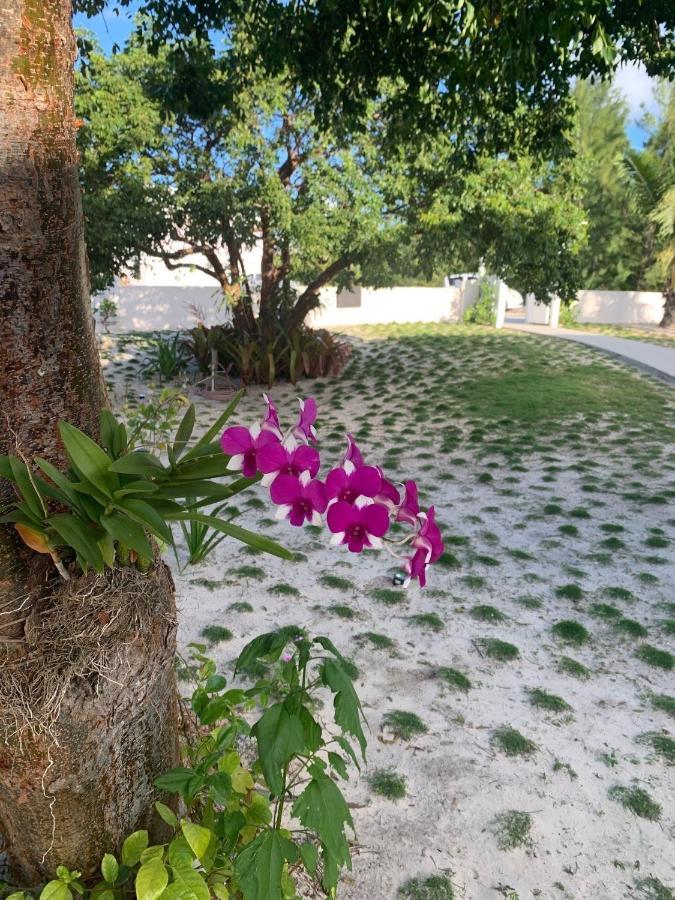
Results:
583 845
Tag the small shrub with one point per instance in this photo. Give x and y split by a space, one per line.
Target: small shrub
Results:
453 678
569 592
484 310
512 829
570 632
486 613
499 650
214 634
428 620
404 725
512 743
387 783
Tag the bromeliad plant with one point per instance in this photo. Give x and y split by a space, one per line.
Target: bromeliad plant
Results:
247 818
360 504
113 495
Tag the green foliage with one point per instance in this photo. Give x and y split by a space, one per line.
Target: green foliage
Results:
454 678
637 800
664 702
573 667
551 702
653 656
403 725
153 422
387 783
106 310
570 632
166 357
502 651
484 310
117 496
232 835
433 887
511 742
512 829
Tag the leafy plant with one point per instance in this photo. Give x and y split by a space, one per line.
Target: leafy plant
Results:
167 357
106 310
116 496
152 423
484 310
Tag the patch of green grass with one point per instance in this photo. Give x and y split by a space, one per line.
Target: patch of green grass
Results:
559 766
436 887
605 611
637 800
631 628
619 593
499 650
512 743
569 530
648 578
448 560
379 641
474 581
529 602
388 596
209 583
387 783
572 667
664 702
580 512
611 528
660 659
486 560
214 634
569 592
283 590
248 572
486 613
240 606
404 725
660 743
667 625
656 541
341 611
652 888
512 829
552 509
337 582
551 702
570 632
520 554
428 620
454 678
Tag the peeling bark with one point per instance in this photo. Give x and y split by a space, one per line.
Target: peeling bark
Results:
114 740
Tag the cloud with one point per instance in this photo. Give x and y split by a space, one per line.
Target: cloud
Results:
638 88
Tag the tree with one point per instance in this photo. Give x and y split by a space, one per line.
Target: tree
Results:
78 782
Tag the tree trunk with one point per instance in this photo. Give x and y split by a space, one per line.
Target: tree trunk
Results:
77 795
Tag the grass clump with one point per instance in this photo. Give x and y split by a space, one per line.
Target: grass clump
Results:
653 888
246 571
341 611
404 725
569 592
572 667
454 678
529 602
499 650
240 606
214 634
512 743
570 632
512 829
283 590
337 582
660 659
631 628
637 800
660 743
387 783
486 613
428 620
619 593
388 596
379 641
436 887
551 702
664 702
605 611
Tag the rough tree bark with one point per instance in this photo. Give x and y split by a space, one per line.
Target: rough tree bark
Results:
68 801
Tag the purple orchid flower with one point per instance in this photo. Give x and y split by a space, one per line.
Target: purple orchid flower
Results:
300 498
429 537
416 567
352 454
287 458
242 445
361 484
358 527
305 430
409 509
271 421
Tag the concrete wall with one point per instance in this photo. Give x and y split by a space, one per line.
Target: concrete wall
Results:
620 307
369 306
143 308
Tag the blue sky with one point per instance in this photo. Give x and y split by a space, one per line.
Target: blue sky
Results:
636 86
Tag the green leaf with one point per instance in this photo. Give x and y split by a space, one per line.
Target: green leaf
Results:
311 730
133 847
175 780
214 466
280 737
348 749
88 458
151 879
215 683
137 487
110 868
80 537
217 426
145 515
56 890
187 884
260 865
17 895
59 479
108 428
322 809
197 837
267 646
107 548
23 480
220 786
138 462
310 857
236 531
179 854
129 533
167 814
347 708
185 430
338 763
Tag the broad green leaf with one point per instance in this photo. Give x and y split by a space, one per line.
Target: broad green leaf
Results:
107 548
136 487
338 763
175 780
187 884
138 462
259 867
154 852
347 708
220 786
179 854
17 895
311 730
348 749
216 428
214 466
145 515
267 646
280 737
129 533
197 837
110 868
215 683
220 891
322 809
241 780
6 470
120 441
167 814
259 542
80 537
185 430
151 879
108 428
56 890
310 857
23 480
88 458
133 847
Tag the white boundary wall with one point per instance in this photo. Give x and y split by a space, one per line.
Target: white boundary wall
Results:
369 306
620 307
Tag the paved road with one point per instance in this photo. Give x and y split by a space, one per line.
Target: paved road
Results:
657 360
